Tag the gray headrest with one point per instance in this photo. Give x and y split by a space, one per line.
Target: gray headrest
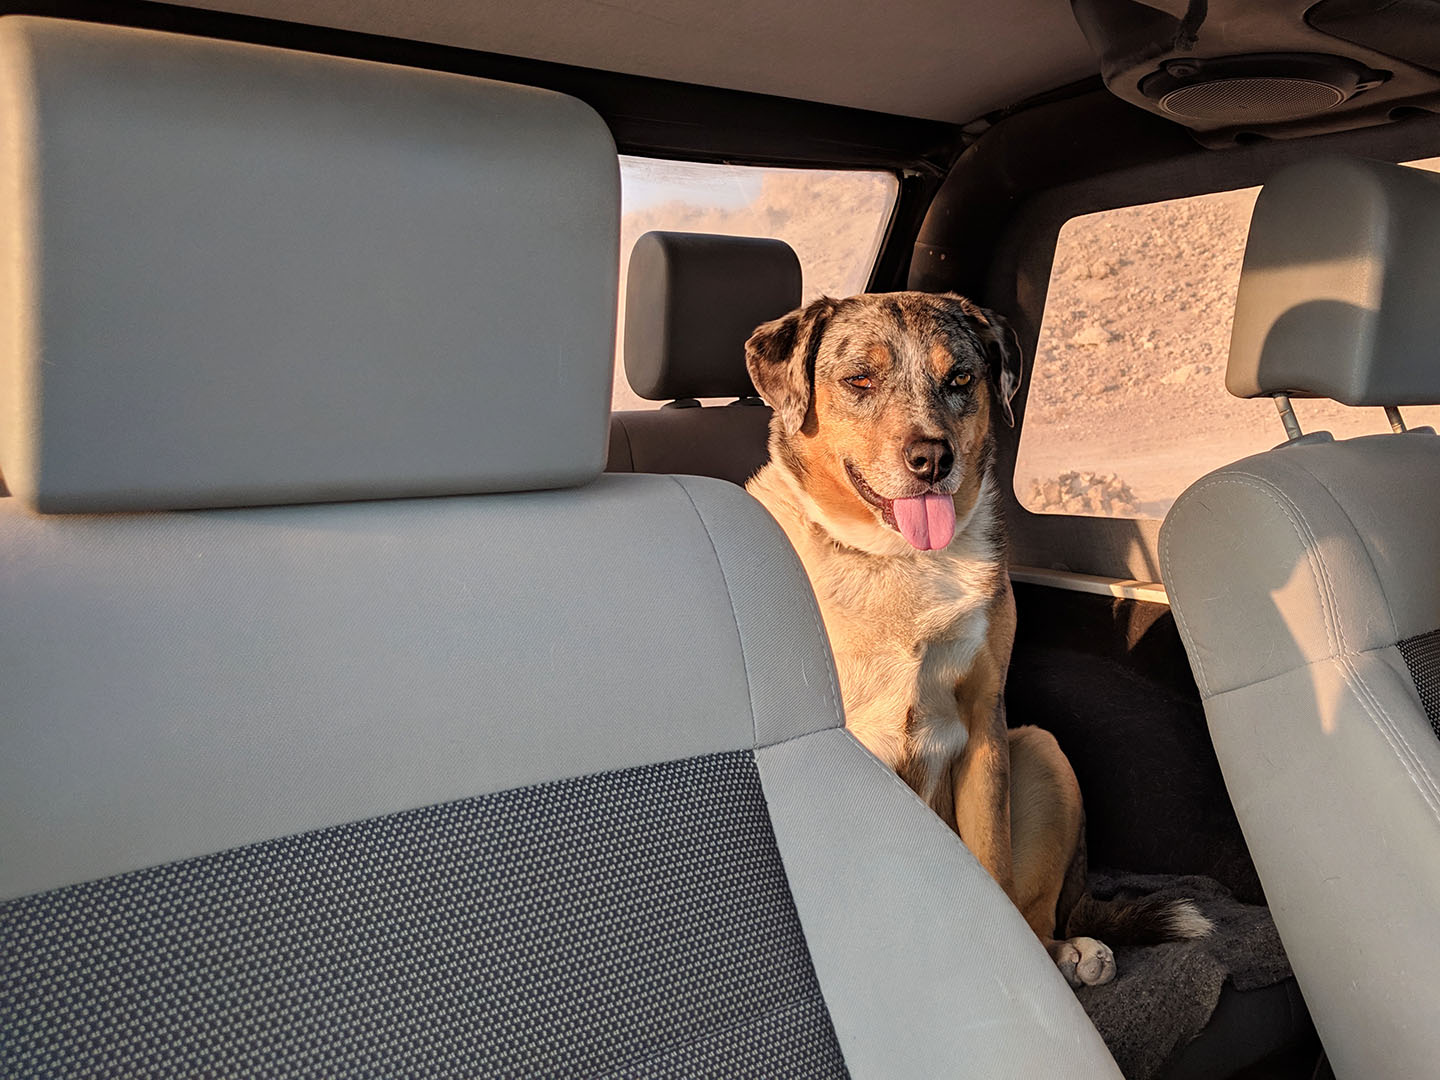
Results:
691 300
239 275
1340 291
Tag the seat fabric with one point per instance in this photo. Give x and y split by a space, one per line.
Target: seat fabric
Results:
363 769
1295 575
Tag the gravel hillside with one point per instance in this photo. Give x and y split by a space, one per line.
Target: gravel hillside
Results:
1130 366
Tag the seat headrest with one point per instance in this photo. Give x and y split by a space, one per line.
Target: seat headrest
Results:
239 275
692 300
1339 289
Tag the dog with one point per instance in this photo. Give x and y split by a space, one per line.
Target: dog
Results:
882 475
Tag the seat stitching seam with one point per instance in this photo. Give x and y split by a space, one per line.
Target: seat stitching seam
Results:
1217 481
1334 636
734 617
1302 665
833 684
802 735
1365 547
1395 728
1380 717
1329 606
1280 495
1180 616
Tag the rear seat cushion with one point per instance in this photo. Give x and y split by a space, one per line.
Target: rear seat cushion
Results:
726 442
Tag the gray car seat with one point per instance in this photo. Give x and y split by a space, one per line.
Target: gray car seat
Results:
1306 584
355 771
691 300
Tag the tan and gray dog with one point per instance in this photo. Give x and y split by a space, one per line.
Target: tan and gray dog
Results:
881 473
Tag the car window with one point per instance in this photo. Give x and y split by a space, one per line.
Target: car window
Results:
1127 404
834 219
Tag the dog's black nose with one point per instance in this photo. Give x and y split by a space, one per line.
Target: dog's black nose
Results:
929 459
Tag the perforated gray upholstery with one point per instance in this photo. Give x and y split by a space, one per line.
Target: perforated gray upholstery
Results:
1306 584
1422 656
631 923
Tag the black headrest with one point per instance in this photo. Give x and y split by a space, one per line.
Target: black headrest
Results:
691 300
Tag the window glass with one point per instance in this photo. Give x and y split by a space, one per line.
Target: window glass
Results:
1127 404
834 219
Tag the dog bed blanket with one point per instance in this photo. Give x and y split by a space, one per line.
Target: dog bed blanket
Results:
1163 995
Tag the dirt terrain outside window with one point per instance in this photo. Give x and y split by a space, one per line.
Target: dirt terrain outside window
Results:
1127 403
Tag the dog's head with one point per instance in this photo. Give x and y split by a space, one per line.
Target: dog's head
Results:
883 410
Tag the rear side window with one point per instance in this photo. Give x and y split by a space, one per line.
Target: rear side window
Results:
1127 404
834 219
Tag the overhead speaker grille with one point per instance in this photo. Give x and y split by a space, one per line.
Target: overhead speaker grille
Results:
1254 90
1256 100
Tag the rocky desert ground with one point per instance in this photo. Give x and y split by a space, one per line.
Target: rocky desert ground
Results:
1128 382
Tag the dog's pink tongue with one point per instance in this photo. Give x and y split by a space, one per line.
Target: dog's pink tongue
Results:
926 521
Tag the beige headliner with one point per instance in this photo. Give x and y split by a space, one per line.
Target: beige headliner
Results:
939 59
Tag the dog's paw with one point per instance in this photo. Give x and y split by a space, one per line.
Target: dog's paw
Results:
1084 961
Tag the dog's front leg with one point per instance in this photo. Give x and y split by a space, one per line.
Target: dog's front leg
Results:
981 776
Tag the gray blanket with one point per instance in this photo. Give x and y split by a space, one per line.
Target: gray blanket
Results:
1164 994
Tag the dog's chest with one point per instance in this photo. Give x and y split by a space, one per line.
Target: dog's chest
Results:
905 633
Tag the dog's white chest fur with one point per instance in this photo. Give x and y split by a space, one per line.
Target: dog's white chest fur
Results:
907 632
906 628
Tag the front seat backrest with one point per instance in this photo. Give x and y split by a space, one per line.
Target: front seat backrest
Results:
691 301
399 779
1306 584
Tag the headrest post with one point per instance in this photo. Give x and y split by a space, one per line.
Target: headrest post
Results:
1287 417
1397 422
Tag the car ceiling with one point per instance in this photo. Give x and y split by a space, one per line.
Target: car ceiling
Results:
948 60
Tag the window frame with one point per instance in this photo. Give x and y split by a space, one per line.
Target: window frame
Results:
1017 284
883 233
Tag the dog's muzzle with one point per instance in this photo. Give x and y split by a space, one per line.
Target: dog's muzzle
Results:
926 521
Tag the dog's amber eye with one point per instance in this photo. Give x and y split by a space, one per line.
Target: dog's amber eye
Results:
860 382
960 380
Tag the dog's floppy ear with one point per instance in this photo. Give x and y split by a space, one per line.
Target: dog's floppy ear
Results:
1002 347
780 356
